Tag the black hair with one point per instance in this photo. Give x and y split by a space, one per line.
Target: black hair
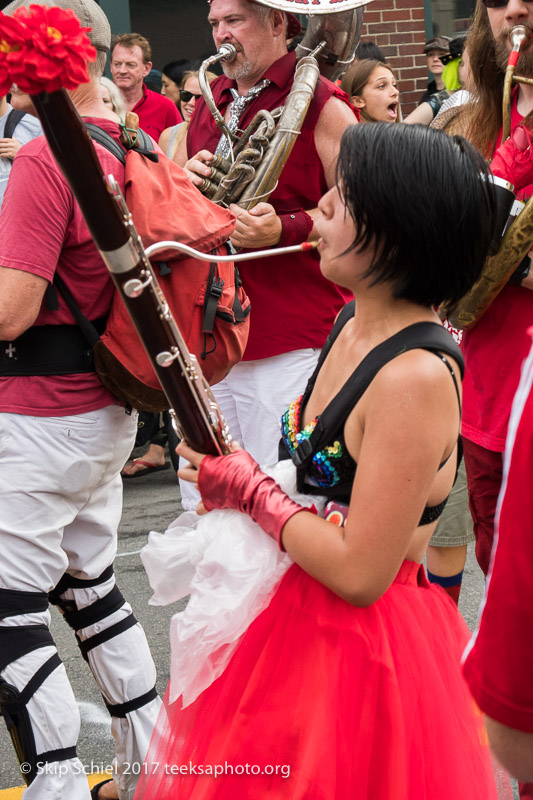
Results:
425 201
369 50
175 69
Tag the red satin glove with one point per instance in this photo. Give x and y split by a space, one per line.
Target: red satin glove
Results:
513 159
237 481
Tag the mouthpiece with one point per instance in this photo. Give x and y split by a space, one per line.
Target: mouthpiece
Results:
518 36
227 52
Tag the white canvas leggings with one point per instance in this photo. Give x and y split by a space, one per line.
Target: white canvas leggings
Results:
60 506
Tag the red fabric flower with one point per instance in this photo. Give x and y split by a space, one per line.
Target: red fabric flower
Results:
12 44
44 49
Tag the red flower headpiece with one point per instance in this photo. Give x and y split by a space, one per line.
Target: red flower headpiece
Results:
43 49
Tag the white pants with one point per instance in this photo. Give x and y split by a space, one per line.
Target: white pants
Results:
60 506
253 397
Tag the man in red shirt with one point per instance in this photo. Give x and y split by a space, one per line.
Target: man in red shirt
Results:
131 61
293 305
498 662
63 441
495 348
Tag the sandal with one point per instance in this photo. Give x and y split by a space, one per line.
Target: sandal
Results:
96 789
148 467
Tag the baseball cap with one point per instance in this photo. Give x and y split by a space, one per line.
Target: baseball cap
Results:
88 12
437 43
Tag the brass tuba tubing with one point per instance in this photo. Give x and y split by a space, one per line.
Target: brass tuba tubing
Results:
227 52
287 131
328 48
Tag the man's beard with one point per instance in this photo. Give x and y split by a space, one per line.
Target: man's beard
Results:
237 71
525 61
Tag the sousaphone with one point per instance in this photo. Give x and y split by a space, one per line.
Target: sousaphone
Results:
257 156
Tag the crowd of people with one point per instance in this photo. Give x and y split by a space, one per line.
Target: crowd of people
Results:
354 668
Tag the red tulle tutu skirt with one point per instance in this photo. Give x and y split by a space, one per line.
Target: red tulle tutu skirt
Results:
325 701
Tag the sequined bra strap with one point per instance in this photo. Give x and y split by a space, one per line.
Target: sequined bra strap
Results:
422 335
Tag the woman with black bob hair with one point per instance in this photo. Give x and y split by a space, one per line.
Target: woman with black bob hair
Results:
429 219
346 682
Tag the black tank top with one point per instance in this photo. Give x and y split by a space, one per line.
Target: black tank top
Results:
324 465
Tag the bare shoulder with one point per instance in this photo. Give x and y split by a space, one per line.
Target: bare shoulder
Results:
418 376
336 111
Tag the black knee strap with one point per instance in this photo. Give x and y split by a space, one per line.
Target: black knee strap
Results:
19 640
96 612
121 709
69 582
105 636
13 706
13 602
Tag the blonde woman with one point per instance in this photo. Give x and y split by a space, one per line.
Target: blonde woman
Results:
112 97
190 92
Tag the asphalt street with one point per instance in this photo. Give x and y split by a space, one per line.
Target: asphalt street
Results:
150 503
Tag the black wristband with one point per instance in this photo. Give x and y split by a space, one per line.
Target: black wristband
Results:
521 272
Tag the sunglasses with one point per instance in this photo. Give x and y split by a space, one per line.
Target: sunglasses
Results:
186 96
498 3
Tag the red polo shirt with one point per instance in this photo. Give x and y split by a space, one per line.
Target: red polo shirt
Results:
498 662
293 305
156 113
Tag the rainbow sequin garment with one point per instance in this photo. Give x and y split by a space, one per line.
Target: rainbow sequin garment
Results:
329 466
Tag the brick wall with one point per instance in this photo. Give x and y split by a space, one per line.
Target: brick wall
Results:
397 27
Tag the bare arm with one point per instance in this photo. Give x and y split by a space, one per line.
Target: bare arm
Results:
335 117
21 295
164 140
9 148
512 748
422 115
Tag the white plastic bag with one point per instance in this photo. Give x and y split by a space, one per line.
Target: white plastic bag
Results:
230 568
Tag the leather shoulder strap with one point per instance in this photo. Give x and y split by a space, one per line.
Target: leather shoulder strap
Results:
145 147
13 119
